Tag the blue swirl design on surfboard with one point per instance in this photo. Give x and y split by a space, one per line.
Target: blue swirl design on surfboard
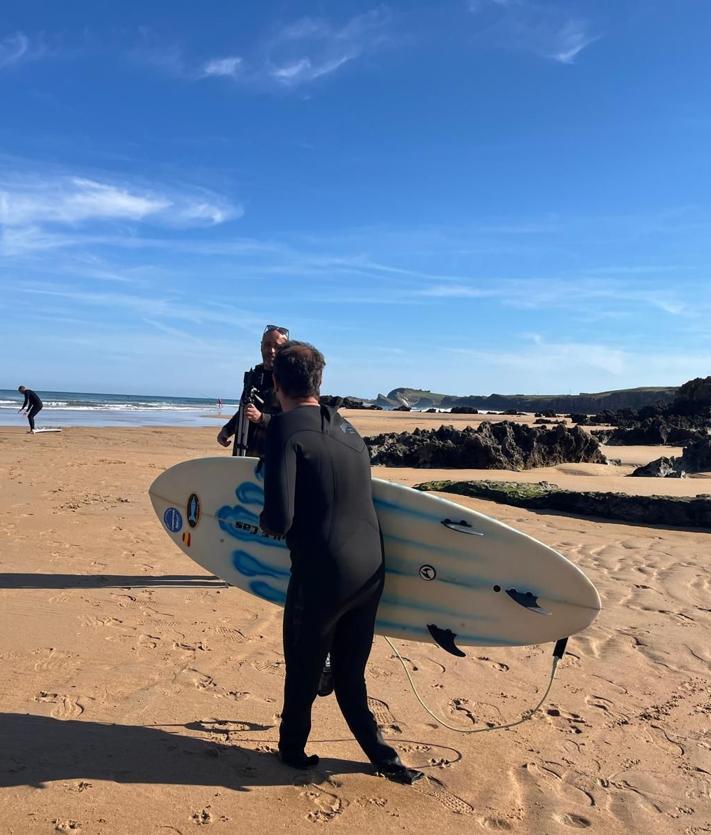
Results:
248 493
250 566
267 592
242 524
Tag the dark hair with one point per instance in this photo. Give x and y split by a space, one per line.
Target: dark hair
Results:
298 367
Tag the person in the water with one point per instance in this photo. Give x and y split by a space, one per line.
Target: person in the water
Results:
318 493
32 403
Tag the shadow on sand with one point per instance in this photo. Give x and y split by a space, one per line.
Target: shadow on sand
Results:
101 581
39 749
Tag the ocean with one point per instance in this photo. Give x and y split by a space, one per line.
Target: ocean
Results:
73 408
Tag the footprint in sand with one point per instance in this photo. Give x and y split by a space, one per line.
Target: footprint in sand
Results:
275 667
576 821
556 777
67 707
382 715
497 665
327 806
67 826
52 659
607 706
197 646
496 822
148 641
228 632
203 817
571 722
434 788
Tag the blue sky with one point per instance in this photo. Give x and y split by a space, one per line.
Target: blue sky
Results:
467 196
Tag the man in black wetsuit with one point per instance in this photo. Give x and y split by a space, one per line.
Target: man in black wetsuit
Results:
261 379
318 492
32 403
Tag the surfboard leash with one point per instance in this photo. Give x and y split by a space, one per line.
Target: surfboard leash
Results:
558 653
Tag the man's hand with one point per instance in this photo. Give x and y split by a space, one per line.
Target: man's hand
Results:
253 414
222 439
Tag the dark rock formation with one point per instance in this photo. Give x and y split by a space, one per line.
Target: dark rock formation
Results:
403 408
661 468
645 510
560 403
696 457
464 410
548 422
336 402
655 431
497 446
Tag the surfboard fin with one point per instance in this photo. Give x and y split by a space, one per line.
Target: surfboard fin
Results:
461 527
528 600
445 638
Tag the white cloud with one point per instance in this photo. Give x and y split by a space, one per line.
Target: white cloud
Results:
298 53
36 209
312 47
544 29
13 49
570 39
230 67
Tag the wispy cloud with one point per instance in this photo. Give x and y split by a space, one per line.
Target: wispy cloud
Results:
294 55
230 67
569 39
575 293
314 47
545 29
14 49
49 210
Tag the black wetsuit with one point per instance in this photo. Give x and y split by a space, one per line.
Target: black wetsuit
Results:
318 492
263 381
32 399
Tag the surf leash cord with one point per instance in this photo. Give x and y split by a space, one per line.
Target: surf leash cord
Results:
558 653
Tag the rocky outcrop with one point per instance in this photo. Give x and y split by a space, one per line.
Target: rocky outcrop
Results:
695 458
588 403
660 468
464 410
654 431
643 510
498 446
336 402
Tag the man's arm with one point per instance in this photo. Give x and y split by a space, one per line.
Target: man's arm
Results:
228 430
279 482
27 400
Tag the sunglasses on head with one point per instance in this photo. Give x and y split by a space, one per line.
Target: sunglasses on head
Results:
278 329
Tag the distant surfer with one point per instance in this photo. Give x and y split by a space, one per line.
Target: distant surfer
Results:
32 403
318 492
259 387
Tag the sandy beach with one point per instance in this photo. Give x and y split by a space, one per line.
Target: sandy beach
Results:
140 695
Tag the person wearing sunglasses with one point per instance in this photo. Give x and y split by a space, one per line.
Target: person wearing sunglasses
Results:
318 494
258 400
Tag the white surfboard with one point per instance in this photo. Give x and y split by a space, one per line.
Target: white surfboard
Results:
39 430
452 575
